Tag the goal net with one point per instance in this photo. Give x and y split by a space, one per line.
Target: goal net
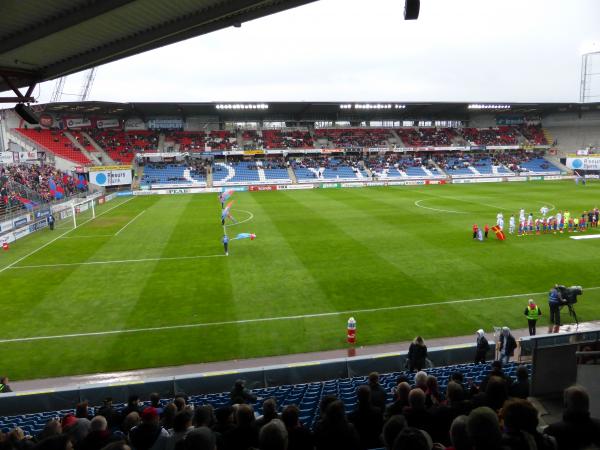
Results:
76 212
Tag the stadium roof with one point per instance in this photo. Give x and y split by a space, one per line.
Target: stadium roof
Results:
307 111
55 38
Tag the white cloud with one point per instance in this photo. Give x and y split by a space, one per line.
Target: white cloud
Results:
334 50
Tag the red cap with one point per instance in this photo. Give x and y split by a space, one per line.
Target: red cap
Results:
69 420
149 414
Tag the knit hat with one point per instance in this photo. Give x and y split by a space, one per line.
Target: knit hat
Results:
480 332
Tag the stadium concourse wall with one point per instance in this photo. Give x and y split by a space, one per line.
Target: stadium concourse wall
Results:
170 189
222 381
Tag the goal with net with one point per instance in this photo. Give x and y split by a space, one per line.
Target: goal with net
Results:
79 211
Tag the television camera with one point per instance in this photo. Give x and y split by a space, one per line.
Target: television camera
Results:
569 296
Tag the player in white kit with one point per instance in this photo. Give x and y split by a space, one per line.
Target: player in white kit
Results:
511 224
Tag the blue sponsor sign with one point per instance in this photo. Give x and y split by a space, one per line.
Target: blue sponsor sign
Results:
124 194
17 223
42 213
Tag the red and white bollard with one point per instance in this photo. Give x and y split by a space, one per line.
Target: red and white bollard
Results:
351 331
5 246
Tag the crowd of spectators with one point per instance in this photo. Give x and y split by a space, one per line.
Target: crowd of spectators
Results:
326 162
31 182
287 139
427 137
399 161
355 137
122 145
503 135
269 164
494 415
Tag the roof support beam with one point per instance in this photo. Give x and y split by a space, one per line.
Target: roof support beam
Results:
192 25
65 19
19 97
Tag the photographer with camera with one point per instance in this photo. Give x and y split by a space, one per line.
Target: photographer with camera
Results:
555 301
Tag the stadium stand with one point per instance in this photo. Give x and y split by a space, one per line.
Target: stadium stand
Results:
404 166
427 137
191 173
122 146
503 135
353 137
342 168
258 171
30 182
188 141
221 140
534 134
55 142
472 386
287 139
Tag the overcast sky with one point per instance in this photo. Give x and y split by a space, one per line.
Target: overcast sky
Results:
345 50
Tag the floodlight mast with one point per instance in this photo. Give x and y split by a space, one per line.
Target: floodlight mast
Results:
588 73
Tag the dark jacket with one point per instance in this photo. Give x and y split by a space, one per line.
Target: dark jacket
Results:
240 394
368 421
575 431
378 396
510 342
416 356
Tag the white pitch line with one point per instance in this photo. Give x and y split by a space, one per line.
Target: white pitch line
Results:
58 237
272 319
250 217
589 236
418 204
88 236
129 223
114 261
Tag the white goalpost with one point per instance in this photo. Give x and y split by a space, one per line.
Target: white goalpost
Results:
83 210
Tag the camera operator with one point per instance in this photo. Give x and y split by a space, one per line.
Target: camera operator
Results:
555 301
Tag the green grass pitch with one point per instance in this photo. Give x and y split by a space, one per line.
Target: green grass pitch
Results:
317 252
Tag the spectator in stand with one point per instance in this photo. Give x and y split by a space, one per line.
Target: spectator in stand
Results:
131 421
52 428
496 371
168 418
415 414
239 394
392 428
401 400
82 411
273 436
299 437
378 394
155 403
483 347
224 421
483 429
508 345
421 380
200 439
269 413
179 401
495 394
577 430
60 442
4 386
459 435
367 419
520 389
181 426
245 434
133 405
412 438
107 411
520 427
334 432
204 416
417 355
149 435
433 396
99 435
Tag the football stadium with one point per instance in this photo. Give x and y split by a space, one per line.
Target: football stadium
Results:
287 274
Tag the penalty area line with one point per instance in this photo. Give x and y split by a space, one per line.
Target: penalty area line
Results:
115 261
60 236
271 319
129 223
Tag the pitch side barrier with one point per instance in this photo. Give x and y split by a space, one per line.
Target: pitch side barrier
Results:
554 359
266 186
222 381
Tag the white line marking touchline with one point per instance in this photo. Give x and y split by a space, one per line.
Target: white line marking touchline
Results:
129 223
58 237
116 261
589 236
273 319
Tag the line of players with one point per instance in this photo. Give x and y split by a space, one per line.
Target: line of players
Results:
552 224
